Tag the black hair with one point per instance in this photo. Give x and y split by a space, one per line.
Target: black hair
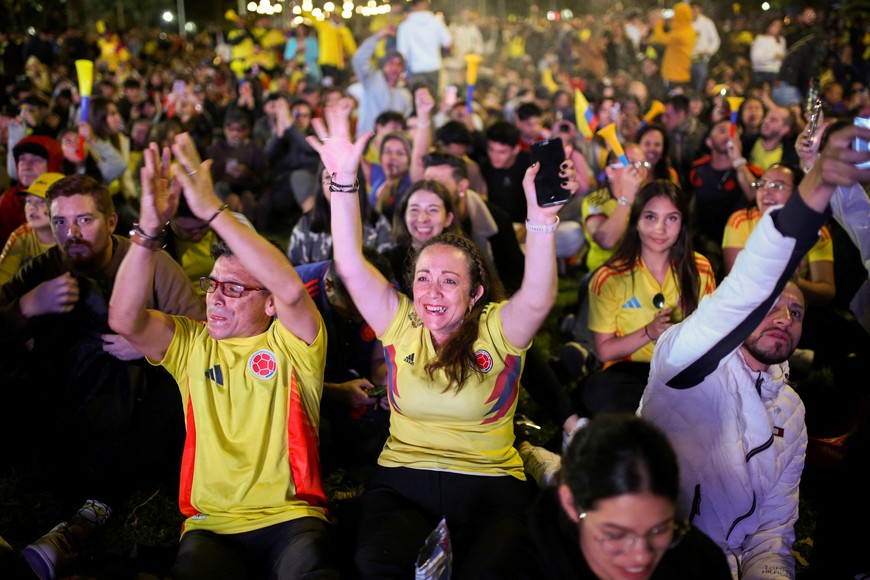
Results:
528 110
680 103
503 132
618 454
391 116
453 132
662 169
682 253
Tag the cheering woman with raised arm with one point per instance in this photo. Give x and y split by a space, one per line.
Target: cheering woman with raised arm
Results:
455 351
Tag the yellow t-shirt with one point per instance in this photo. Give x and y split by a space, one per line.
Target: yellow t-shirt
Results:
742 222
622 302
22 246
252 410
763 158
467 432
601 203
195 259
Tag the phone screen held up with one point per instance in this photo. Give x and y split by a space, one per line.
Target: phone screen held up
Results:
548 183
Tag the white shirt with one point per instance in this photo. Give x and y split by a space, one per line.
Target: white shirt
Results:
420 38
707 42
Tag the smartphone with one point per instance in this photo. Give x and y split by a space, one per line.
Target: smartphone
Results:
861 144
548 184
178 87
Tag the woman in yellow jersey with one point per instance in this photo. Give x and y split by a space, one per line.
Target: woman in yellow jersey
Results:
454 352
815 275
653 280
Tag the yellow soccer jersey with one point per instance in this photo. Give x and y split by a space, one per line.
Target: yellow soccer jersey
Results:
762 158
742 222
252 410
596 203
467 432
620 302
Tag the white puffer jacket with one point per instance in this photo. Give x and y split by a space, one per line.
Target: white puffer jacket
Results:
740 435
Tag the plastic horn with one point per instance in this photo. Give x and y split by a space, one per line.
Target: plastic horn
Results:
609 135
734 105
472 62
85 73
656 108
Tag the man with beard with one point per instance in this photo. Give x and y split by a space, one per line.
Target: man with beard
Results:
720 183
775 143
84 402
718 383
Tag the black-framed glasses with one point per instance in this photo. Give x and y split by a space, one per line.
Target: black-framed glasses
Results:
776 185
617 541
228 289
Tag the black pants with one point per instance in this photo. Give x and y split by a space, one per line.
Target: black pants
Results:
618 388
299 548
485 518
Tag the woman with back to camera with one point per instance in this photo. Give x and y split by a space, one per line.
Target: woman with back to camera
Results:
455 352
653 280
616 502
425 212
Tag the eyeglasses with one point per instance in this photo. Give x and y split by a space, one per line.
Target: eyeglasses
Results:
664 537
228 289
636 164
777 185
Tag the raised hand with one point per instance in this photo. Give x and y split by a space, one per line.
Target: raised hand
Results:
159 198
340 156
195 177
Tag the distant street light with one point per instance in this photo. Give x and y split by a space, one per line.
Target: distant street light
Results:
168 16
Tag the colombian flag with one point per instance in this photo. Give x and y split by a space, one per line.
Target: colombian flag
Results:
587 122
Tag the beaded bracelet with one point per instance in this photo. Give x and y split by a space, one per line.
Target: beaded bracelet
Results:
342 188
542 228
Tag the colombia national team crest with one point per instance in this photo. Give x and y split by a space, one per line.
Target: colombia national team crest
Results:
484 360
262 364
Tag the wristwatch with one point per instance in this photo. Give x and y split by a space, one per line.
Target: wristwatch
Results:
622 200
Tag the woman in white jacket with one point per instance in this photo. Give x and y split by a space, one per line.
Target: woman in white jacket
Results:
767 52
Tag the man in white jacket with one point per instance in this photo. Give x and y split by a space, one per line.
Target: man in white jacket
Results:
718 382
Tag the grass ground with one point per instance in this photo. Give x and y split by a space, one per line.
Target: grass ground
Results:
139 541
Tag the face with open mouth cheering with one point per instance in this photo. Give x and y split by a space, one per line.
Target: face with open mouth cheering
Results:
443 292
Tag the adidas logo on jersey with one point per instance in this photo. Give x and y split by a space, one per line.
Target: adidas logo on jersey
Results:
410 359
215 374
633 303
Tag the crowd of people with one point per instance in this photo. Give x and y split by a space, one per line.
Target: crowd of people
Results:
257 256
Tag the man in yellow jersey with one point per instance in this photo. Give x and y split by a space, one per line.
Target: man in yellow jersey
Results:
250 378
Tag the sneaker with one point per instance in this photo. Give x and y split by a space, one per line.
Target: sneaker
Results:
95 512
50 552
541 464
575 359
